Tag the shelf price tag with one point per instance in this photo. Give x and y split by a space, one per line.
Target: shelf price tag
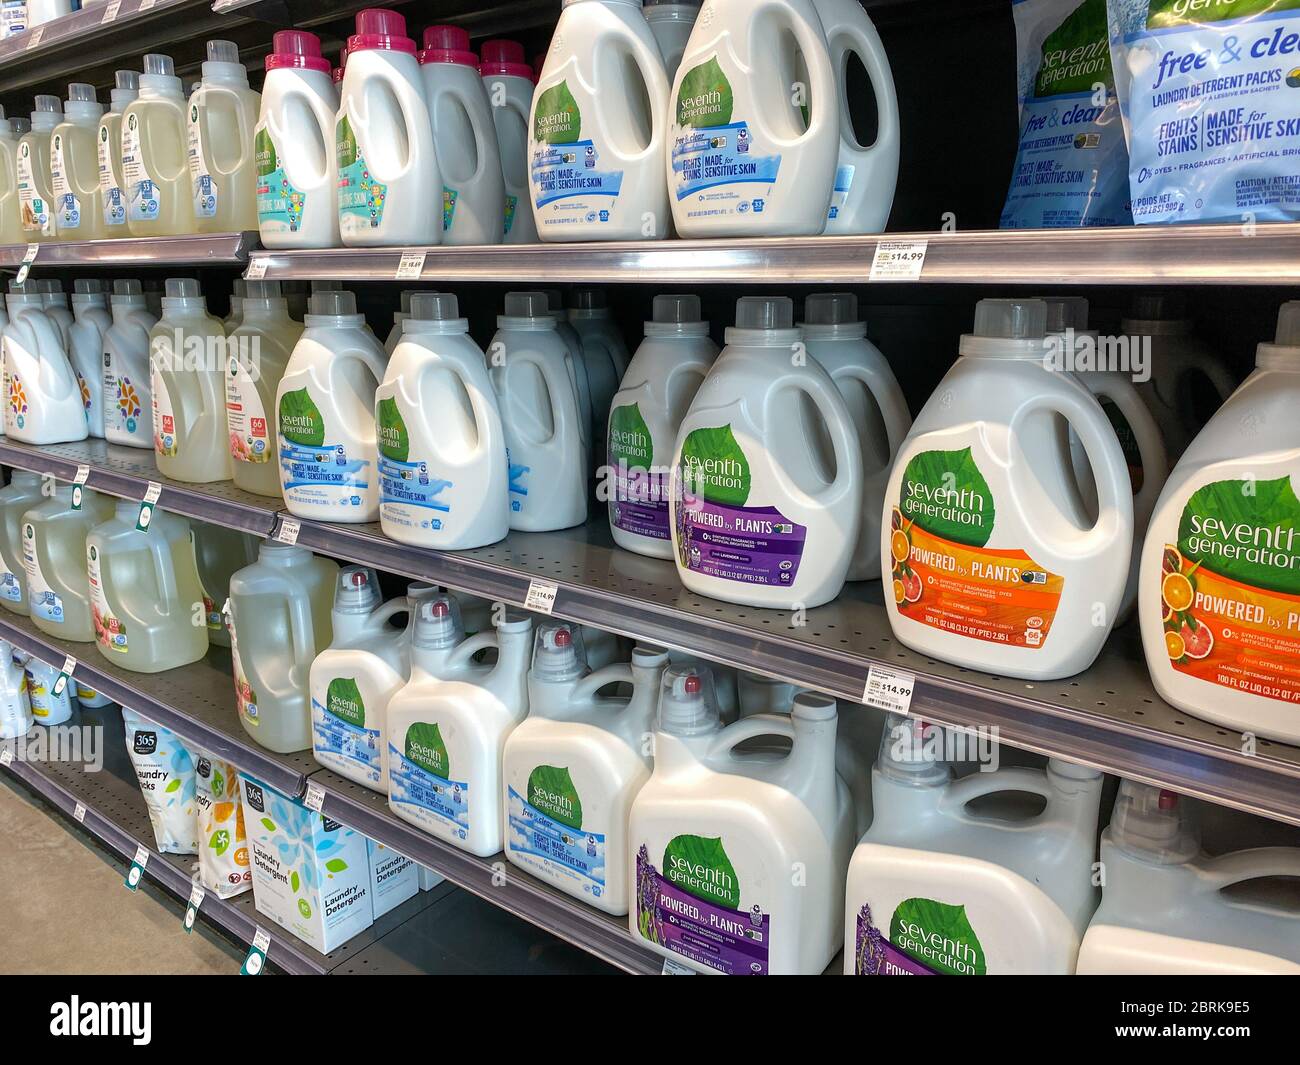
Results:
29 257
145 5
192 910
79 814
541 597
288 531
110 11
78 482
256 960
889 689
136 873
676 968
410 267
34 37
256 270
6 756
150 500
315 797
65 675
898 260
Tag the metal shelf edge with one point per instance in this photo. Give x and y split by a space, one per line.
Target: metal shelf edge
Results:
227 248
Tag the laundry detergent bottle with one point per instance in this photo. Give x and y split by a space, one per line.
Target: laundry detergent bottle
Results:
604 353
144 590
443 472
509 81
155 155
388 173
43 402
128 401
1219 587
113 190
74 167
49 706
644 417
20 495
1169 909
353 679
259 351
54 556
988 559
219 552
91 321
40 216
280 620
763 512
220 125
953 879
325 405
447 728
11 214
837 339
671 24
577 368
715 833
187 383
596 143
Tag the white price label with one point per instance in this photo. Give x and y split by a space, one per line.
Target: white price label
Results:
110 11
541 597
152 492
898 260
34 37
29 257
145 5
256 960
65 675
288 531
315 797
6 755
192 910
411 266
889 689
82 475
141 857
79 814
676 968
256 270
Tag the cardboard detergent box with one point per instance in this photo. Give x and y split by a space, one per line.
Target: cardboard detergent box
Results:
394 878
311 875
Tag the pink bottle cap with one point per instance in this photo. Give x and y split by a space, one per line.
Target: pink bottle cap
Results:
380 28
447 44
337 72
504 58
296 48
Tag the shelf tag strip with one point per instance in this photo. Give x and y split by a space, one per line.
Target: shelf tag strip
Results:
889 689
256 960
541 596
29 257
136 873
192 910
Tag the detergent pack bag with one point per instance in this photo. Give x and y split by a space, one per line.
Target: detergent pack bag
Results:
223 844
1071 166
166 774
1210 92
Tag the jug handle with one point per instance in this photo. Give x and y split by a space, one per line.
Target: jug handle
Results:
961 792
367 358
839 423
246 149
1150 443
163 574
324 119
650 66
48 335
825 90
302 627
614 673
1235 868
482 148
467 649
382 613
555 388
864 41
894 411
749 728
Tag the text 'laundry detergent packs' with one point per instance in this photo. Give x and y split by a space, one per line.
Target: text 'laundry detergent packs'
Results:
1210 108
953 878
988 556
128 401
715 833
1168 908
599 129
224 864
1071 165
573 767
113 190
54 553
509 82
16 498
43 400
1219 593
165 771
448 726
222 158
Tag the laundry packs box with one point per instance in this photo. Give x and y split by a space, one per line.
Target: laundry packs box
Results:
394 878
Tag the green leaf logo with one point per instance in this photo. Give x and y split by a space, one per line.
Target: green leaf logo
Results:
714 468
300 419
556 118
424 747
1162 14
343 700
699 865
945 494
294 881
551 790
264 153
937 935
336 865
268 824
174 785
1246 530
220 841
704 98
394 441
1076 55
304 908
629 439
345 143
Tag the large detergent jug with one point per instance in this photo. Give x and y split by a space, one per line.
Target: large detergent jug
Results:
604 354
11 212
144 590
837 339
155 161
40 219
74 167
443 473
220 124
534 381
51 703
388 172
755 133
54 557
399 316
15 706
259 351
597 139
990 562
572 768
297 165
43 403
279 622
352 680
577 367
187 383
90 322
1219 587
509 81
218 553
715 833
325 407
644 416
1169 909
128 402
671 23
759 514
447 728
16 498
464 139
113 190
939 887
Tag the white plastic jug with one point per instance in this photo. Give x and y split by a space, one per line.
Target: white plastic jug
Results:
714 835
837 339
297 166
54 557
464 139
325 407
644 416
128 401
36 197
51 703
15 705
577 369
144 590
448 726
399 316
1169 909
220 124
11 213
91 321
387 169
604 354
16 498
758 514
114 192
74 167
443 473
218 553
671 24
572 768
279 622
509 81
43 403
983 544
155 160
532 374
599 129
755 122
938 886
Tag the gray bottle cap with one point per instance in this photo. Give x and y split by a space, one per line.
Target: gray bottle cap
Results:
20 125
88 286
127 287
47 285
157 64
223 52
337 303
81 92
181 287
814 706
23 288
527 305
676 309
1011 319
49 103
1066 312
589 299
262 290
434 307
407 293
764 312
126 79
830 308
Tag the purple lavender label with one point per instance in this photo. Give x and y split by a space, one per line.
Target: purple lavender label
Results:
753 545
640 504
876 956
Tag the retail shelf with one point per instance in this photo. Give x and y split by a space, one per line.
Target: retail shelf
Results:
1204 254
197 250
